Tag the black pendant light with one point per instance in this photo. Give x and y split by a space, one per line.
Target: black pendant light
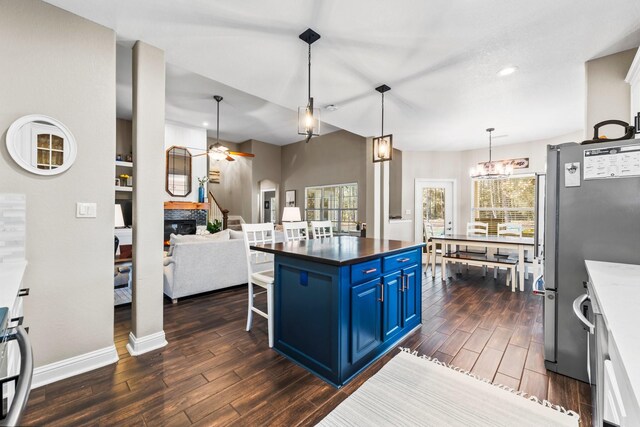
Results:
309 117
218 151
383 144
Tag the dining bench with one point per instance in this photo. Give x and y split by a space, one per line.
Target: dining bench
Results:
482 260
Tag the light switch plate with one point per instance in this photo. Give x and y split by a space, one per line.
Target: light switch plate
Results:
86 210
407 212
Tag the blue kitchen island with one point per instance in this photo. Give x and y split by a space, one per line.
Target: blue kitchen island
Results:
340 303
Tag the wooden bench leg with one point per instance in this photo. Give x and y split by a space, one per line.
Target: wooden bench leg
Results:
443 269
513 278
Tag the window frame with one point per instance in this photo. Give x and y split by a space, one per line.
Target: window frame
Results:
473 209
339 210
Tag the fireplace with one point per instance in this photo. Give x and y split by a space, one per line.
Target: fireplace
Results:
178 226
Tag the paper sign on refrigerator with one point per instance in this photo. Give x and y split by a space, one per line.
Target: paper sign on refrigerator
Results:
612 162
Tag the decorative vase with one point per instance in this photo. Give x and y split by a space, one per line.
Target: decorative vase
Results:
201 194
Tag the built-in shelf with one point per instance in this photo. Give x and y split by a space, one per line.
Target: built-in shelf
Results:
124 164
121 188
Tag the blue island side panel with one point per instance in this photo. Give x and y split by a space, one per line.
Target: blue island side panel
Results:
308 317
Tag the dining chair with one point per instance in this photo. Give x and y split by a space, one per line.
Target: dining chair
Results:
507 229
475 228
431 247
260 271
321 229
295 231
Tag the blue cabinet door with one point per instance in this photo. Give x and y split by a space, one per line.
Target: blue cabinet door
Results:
411 296
392 310
366 319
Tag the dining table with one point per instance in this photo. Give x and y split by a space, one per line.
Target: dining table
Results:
519 244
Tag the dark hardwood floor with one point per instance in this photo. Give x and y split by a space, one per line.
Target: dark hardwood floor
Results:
214 373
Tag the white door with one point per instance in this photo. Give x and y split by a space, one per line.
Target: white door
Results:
435 201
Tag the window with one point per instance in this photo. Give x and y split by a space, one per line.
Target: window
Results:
336 203
50 151
512 199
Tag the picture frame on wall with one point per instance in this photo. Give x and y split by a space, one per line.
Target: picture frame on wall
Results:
290 198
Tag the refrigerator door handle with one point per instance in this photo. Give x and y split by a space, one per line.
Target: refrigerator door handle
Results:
577 305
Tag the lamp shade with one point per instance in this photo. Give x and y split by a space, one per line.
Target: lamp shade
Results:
119 219
383 148
291 214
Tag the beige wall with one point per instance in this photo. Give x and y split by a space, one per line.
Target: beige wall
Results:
395 184
70 272
608 95
335 158
267 169
455 165
235 181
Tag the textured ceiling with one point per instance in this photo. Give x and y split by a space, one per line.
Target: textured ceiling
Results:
440 58
189 100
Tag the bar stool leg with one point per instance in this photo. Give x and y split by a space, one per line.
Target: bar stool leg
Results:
250 304
270 313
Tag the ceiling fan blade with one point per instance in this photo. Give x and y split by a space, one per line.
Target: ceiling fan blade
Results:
231 159
241 154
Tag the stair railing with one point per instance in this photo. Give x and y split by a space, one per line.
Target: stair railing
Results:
216 212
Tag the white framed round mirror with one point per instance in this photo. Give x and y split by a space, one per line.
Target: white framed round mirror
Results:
41 144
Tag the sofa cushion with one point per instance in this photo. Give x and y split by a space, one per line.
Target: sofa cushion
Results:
181 238
233 234
220 235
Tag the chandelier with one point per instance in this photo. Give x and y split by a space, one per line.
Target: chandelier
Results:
491 169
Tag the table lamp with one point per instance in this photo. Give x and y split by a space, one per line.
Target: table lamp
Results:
291 214
119 218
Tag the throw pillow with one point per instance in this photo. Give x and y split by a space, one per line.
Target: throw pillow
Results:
220 235
233 234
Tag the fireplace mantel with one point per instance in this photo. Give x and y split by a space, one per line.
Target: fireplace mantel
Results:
185 206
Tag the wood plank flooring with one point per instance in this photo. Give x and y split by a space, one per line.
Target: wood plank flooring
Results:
214 373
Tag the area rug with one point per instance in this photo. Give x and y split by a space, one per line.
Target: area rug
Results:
414 390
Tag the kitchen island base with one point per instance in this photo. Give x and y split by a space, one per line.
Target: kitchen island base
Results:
337 319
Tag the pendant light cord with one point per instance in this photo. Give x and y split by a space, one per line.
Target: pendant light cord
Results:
309 83
218 124
489 147
382 134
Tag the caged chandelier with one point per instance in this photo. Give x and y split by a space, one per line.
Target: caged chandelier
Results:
491 169
309 117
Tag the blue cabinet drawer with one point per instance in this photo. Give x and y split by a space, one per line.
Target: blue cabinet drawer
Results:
401 260
365 271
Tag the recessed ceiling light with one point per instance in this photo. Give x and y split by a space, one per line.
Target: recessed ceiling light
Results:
205 124
506 71
331 107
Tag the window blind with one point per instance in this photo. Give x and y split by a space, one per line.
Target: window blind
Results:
507 200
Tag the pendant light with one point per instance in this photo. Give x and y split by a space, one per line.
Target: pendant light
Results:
491 169
383 144
218 151
309 117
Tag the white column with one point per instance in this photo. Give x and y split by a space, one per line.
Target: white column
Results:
148 194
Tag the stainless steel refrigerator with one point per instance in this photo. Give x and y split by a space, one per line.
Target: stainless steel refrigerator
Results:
592 212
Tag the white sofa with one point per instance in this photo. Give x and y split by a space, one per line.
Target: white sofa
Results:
197 264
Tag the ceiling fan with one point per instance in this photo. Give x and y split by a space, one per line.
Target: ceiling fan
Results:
218 151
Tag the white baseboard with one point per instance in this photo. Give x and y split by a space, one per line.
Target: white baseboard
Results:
138 346
76 365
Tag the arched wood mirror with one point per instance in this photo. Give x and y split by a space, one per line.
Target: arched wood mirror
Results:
178 175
